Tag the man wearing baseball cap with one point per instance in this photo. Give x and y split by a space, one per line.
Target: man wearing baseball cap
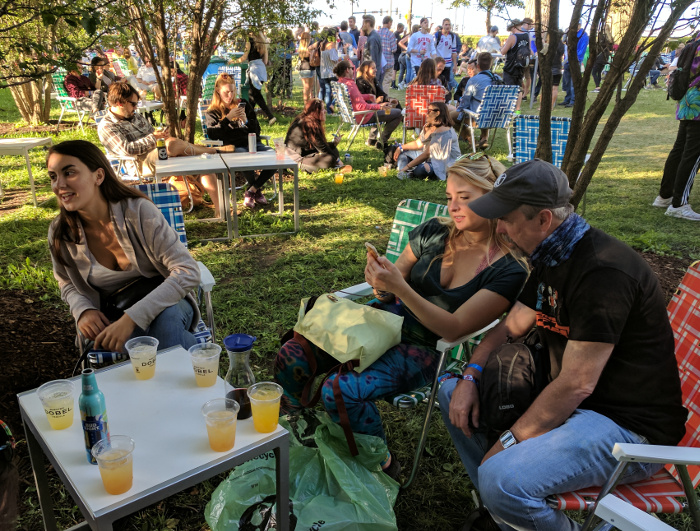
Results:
600 314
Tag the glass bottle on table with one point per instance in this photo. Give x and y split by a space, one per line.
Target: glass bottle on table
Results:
239 376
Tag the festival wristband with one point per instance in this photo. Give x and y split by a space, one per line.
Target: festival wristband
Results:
449 375
475 366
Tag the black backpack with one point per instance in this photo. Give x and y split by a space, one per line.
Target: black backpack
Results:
522 54
679 80
513 376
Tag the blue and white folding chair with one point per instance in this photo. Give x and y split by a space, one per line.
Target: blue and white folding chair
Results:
495 112
527 130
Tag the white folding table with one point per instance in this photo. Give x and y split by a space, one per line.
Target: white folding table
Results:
226 164
172 451
21 146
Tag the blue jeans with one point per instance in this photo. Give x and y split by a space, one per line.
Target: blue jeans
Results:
514 483
402 69
326 93
653 76
567 85
171 327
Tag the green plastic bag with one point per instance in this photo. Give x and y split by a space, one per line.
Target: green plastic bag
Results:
329 489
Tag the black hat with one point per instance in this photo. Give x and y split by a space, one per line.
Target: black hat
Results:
535 182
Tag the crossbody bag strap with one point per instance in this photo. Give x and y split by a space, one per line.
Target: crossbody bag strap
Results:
342 410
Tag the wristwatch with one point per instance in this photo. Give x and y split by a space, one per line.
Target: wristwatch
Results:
508 439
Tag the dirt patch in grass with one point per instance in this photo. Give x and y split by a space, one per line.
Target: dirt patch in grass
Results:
9 128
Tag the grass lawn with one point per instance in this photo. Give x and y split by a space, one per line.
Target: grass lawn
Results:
260 281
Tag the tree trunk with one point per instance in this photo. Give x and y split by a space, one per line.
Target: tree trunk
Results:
32 102
488 21
549 26
585 125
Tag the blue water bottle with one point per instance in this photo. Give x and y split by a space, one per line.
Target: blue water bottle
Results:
93 413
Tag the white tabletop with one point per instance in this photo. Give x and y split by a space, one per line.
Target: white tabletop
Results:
195 165
18 146
163 417
261 160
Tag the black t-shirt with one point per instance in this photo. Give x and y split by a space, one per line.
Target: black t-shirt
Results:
521 40
505 276
253 54
605 292
232 132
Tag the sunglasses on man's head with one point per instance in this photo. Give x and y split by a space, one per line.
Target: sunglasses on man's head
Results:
471 156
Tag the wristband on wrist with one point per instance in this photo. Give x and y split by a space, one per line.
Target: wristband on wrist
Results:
475 366
448 375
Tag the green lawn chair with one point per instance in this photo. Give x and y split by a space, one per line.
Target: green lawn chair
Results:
409 214
68 104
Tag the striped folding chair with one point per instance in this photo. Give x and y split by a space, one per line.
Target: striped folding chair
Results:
208 83
681 476
348 115
495 111
409 214
67 104
167 199
526 131
418 98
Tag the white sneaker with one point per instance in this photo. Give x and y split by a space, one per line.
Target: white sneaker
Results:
661 202
683 212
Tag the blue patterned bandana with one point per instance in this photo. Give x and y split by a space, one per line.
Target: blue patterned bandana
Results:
559 245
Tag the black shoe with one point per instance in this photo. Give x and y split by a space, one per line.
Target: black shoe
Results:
480 520
394 469
371 142
567 105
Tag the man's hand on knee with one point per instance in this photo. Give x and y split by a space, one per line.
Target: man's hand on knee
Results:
464 406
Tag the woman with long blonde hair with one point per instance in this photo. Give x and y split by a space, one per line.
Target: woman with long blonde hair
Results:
306 73
231 119
454 277
256 54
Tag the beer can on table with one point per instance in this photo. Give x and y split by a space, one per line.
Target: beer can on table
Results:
93 413
252 143
162 150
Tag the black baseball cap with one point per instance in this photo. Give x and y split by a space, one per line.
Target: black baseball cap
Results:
534 182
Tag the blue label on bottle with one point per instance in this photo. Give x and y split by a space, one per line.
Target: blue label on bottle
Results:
95 429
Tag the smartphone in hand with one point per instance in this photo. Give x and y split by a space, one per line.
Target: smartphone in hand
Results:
371 249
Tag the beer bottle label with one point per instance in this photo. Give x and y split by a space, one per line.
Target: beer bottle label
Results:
95 429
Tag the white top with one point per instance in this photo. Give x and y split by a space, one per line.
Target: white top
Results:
488 44
147 74
424 43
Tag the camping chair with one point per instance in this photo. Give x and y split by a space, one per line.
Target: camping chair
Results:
495 111
526 132
418 98
68 104
120 68
124 166
167 199
681 475
409 214
347 115
208 83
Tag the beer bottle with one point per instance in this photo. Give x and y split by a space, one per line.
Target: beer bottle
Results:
162 150
93 413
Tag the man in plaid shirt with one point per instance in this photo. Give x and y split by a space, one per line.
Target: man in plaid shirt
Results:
388 48
123 131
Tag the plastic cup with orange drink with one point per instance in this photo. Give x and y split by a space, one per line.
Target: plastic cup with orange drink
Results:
265 403
220 415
